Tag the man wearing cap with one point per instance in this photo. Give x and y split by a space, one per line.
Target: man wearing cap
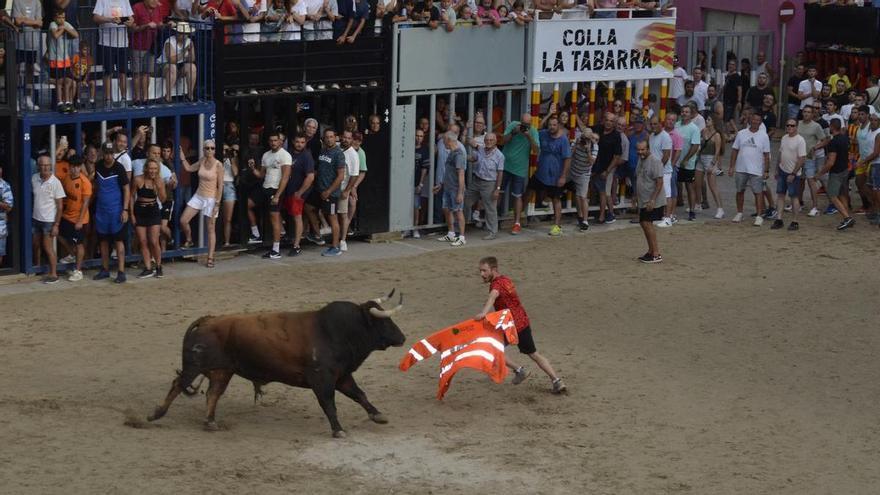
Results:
75 214
111 215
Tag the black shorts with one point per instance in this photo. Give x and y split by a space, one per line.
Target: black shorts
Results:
656 214
268 194
327 206
113 60
118 236
147 214
68 231
26 56
526 343
60 73
686 176
167 210
553 192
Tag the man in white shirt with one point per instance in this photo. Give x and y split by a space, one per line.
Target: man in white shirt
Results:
115 18
792 156
349 181
275 172
846 111
809 88
48 193
701 89
120 152
750 158
676 86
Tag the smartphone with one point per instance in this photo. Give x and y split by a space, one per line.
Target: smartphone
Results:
62 142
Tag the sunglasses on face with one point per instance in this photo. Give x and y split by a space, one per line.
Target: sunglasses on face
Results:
790 125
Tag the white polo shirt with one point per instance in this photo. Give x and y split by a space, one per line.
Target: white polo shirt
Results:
45 194
352 165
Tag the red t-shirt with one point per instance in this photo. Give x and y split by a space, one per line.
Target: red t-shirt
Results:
508 299
143 40
225 8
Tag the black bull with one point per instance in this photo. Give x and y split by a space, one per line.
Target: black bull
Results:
317 349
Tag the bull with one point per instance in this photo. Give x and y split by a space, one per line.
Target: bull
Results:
315 349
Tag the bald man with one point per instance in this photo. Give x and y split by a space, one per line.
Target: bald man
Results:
485 185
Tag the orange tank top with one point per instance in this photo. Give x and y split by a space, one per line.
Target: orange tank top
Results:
208 181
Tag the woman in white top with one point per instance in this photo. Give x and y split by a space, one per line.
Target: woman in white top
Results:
178 58
254 12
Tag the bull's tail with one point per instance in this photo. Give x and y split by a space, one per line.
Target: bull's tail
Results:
192 351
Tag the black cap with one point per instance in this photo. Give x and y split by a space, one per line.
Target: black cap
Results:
107 147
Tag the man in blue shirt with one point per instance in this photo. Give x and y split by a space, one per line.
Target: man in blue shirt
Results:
554 161
330 171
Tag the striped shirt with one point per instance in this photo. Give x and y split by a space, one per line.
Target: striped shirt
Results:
582 158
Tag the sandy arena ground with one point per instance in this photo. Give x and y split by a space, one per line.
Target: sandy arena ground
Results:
746 363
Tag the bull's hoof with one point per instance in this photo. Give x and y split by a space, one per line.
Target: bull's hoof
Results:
339 434
157 413
211 426
379 418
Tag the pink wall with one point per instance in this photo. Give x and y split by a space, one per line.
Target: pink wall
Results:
690 18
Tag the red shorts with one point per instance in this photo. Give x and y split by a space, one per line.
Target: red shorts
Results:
294 205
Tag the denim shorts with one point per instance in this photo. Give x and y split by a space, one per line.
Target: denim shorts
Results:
515 184
449 200
228 191
874 176
810 168
3 245
793 188
38 227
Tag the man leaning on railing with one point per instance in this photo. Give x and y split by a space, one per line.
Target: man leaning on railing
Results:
114 18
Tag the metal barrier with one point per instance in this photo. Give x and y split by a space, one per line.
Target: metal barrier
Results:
63 69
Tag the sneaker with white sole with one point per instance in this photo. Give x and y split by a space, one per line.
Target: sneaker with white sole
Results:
719 213
447 238
665 223
558 386
459 241
68 259
813 213
75 276
759 220
520 375
738 217
416 234
343 246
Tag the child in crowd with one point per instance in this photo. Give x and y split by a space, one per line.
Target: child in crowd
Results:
489 13
58 53
82 64
519 14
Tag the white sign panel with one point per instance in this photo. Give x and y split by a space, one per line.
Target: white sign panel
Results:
577 50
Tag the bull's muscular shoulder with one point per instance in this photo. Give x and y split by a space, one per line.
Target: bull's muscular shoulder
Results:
281 324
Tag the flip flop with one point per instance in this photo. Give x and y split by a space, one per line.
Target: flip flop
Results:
210 263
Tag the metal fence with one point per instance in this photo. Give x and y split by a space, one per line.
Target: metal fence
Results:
63 69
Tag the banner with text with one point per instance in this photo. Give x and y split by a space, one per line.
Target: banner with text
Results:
576 50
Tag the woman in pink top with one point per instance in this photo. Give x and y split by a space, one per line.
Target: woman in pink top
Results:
487 12
207 197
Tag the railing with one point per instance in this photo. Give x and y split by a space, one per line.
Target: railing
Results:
67 70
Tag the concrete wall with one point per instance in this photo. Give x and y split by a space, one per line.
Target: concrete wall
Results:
691 16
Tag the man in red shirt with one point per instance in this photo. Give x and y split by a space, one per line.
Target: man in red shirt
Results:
502 295
147 21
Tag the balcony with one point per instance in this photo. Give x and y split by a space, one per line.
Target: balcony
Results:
97 70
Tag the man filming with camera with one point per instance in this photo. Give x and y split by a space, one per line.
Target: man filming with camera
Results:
520 140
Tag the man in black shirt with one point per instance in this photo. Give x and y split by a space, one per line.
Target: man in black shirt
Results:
837 168
794 103
732 97
768 114
608 158
755 94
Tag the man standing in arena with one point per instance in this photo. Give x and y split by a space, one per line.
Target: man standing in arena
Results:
330 170
649 185
111 215
837 168
302 175
502 295
751 160
275 172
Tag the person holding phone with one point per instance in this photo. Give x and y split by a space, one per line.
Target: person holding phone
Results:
114 18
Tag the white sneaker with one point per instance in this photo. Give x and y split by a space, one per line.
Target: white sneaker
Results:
787 208
814 212
719 213
737 218
68 259
475 215
308 88
698 207
343 246
759 220
665 223
673 219
325 230
75 276
459 241
416 234
447 238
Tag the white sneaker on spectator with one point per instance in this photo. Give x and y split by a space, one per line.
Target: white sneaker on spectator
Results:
343 246
719 213
814 212
698 207
75 276
416 234
325 230
759 220
252 91
68 259
737 218
334 86
666 222
459 241
322 87
308 88
787 208
373 84
113 254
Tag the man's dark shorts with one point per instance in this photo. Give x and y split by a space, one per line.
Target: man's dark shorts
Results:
686 176
549 191
327 206
167 210
656 214
119 236
112 59
526 343
268 194
68 231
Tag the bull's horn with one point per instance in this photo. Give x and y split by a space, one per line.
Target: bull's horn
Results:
381 300
387 313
